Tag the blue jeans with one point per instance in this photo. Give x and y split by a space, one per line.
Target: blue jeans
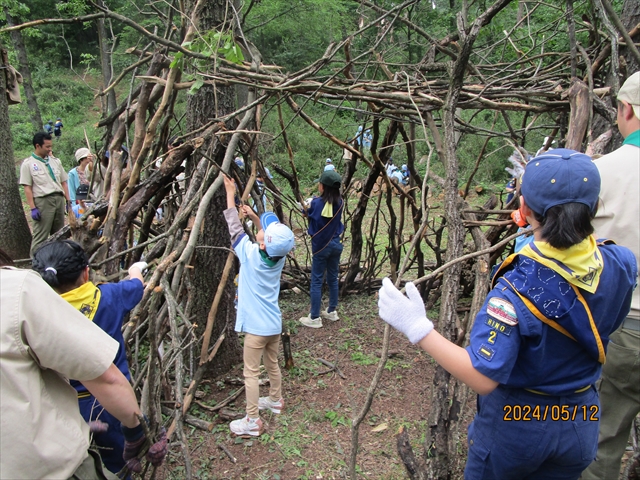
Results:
327 260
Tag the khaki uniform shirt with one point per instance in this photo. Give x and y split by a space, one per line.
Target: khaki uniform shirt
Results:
36 174
44 341
618 210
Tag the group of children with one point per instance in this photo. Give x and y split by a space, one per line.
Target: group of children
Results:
539 341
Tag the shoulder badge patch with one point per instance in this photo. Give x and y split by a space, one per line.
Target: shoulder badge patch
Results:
502 310
486 352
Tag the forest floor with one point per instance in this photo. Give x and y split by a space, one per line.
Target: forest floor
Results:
311 438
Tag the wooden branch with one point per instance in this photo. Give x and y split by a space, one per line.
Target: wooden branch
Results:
227 453
214 307
621 29
579 117
53 21
332 367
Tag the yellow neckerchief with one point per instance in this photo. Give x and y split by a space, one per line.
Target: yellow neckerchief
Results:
85 299
580 265
327 210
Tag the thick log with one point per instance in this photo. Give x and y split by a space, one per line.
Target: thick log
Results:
579 117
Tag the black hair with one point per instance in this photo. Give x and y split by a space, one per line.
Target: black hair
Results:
40 137
174 141
331 195
60 264
566 225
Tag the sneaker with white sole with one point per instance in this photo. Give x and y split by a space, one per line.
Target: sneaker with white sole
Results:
246 426
265 403
333 316
311 322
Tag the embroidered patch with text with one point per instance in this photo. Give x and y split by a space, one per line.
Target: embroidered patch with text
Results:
503 311
499 326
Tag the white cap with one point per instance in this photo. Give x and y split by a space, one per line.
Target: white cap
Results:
630 93
82 153
278 238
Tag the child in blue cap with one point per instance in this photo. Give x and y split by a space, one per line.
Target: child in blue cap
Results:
538 344
258 314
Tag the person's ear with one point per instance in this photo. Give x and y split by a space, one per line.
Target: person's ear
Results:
626 111
525 211
85 275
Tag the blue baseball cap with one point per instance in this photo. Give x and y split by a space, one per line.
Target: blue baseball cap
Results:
278 238
560 176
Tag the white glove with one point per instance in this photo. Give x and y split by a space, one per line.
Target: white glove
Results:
406 314
142 266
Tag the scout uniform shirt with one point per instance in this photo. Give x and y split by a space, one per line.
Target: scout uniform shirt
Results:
539 331
44 175
44 341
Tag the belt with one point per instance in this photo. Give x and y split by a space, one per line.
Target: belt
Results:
51 194
537 392
631 324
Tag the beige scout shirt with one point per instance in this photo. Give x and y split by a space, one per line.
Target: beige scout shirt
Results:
43 339
36 174
618 216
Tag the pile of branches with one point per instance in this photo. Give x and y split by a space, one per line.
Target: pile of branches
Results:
167 348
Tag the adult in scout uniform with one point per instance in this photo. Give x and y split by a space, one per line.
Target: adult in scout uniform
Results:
617 219
45 187
538 343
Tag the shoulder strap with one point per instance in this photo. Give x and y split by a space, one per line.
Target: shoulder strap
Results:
556 326
338 212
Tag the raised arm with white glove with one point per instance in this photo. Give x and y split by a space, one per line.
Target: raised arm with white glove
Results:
408 315
404 313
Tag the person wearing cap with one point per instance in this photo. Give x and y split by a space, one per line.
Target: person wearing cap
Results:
329 165
258 315
617 219
325 228
538 344
57 127
80 175
45 189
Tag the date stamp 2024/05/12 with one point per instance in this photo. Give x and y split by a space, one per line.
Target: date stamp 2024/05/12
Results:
556 413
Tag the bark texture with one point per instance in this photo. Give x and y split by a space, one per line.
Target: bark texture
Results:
15 236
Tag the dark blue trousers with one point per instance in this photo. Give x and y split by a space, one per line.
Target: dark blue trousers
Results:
520 435
110 443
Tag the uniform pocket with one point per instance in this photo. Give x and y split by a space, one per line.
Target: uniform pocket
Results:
587 433
618 358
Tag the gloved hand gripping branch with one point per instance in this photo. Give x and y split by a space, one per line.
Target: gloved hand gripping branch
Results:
404 313
137 445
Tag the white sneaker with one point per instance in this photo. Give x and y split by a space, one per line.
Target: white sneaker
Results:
246 427
265 403
311 322
333 316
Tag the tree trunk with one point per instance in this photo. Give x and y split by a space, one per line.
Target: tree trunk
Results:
208 263
27 83
15 236
109 104
630 17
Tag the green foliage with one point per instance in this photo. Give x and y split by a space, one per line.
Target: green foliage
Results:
294 34
60 94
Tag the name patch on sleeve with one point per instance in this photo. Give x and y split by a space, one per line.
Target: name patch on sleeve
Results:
502 310
499 326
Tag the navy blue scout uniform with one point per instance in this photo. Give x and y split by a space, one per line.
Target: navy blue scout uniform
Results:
322 228
106 305
542 334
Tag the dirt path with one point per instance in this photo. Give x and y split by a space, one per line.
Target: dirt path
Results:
311 439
